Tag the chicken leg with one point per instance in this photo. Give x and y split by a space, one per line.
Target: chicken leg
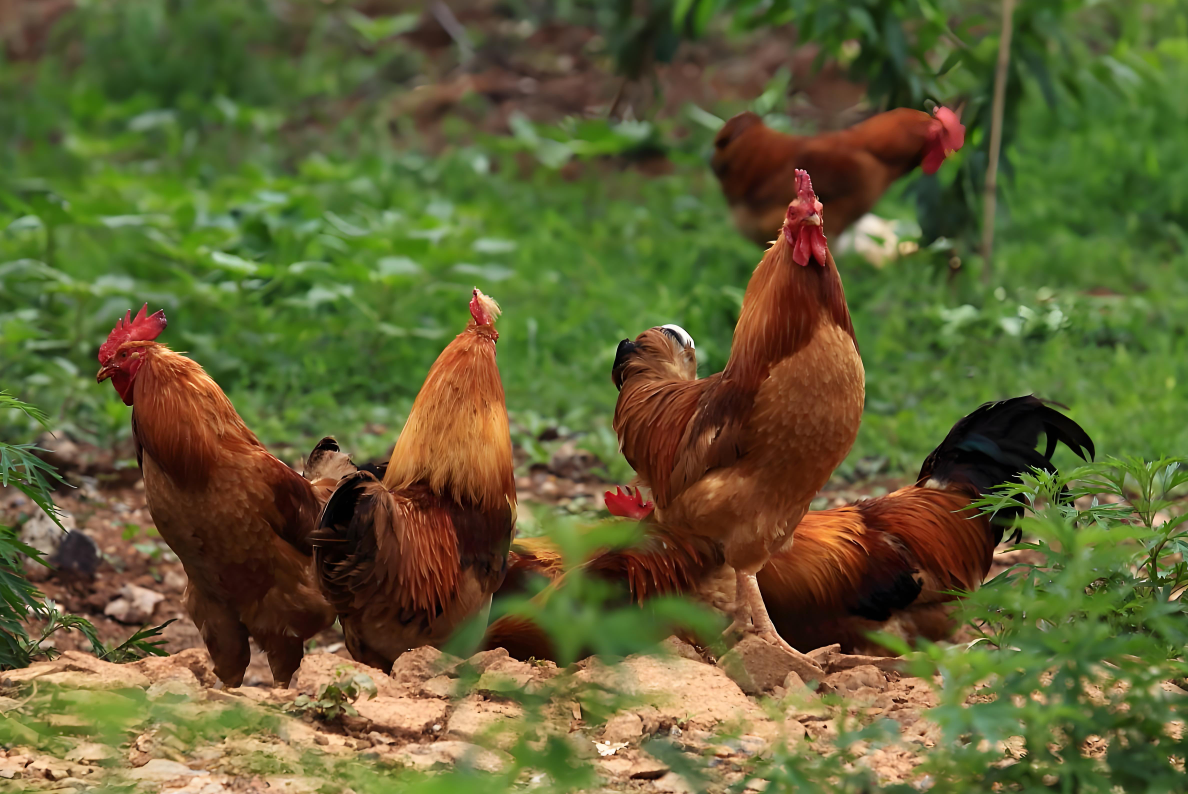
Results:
749 600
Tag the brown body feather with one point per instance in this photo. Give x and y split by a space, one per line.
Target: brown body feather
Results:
851 168
738 456
237 518
407 560
888 564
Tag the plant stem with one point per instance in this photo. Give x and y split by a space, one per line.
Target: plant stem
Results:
991 190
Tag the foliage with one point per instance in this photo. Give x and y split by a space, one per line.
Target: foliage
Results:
335 699
19 598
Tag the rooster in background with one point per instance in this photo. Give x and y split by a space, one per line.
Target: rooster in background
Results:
407 559
851 168
237 517
737 457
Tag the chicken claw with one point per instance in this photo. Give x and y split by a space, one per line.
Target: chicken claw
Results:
749 599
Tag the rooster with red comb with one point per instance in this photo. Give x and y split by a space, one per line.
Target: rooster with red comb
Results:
237 517
852 168
737 457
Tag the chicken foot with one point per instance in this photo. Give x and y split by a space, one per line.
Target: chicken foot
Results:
751 616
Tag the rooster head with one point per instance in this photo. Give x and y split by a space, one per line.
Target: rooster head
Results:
122 355
803 225
946 134
483 308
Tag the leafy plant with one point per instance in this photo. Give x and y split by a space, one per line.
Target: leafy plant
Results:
335 699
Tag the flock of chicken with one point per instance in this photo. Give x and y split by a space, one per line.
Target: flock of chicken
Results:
403 554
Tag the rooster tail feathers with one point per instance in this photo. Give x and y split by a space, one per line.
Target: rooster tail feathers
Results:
345 543
997 443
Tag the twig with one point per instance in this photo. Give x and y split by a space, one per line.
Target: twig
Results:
445 17
991 189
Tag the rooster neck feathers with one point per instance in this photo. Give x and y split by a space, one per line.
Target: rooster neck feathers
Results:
182 419
457 439
782 308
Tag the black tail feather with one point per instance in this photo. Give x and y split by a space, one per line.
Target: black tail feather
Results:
997 443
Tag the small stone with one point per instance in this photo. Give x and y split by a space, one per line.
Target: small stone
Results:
850 681
794 685
77 555
439 687
647 768
672 783
758 666
402 716
89 753
485 659
622 728
420 664
161 769
174 581
134 605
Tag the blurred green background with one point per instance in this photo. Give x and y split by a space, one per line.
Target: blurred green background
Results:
310 189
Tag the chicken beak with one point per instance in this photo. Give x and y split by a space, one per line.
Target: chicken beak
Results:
812 220
105 372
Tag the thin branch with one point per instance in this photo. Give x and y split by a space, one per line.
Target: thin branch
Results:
991 190
445 17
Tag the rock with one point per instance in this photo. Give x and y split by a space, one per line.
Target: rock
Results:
77 555
695 694
474 717
678 647
847 661
484 659
417 666
77 670
190 665
160 769
795 686
319 669
451 753
506 675
90 753
404 716
622 728
134 605
59 451
759 666
646 768
672 783
439 687
847 682
174 581
571 463
43 534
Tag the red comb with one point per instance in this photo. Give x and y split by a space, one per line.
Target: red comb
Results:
144 327
628 505
804 187
952 125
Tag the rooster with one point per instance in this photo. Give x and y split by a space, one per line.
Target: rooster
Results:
237 517
888 564
738 456
851 168
406 559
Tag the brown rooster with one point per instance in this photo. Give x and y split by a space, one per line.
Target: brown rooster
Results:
237 518
851 168
405 561
738 456
888 564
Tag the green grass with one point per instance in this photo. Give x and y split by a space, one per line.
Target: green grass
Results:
316 270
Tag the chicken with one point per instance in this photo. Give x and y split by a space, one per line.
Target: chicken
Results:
237 518
407 559
851 168
738 456
887 564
